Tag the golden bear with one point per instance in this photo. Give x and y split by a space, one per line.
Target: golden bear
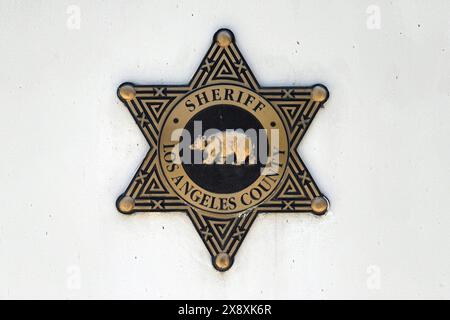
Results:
223 144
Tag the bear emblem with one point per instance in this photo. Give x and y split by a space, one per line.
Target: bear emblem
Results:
219 146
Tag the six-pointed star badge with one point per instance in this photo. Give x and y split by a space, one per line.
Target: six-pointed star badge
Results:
222 149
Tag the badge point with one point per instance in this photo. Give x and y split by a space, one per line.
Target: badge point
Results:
319 205
125 204
127 92
319 93
222 262
223 37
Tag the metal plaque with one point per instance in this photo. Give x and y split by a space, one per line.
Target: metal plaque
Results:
223 149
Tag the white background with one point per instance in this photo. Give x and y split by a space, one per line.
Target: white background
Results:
379 150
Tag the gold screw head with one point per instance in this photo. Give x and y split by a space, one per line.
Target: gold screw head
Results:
125 204
319 205
127 92
319 93
223 38
222 261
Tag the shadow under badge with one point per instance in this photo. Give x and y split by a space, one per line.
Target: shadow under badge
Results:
223 149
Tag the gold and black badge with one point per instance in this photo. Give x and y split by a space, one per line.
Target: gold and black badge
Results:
222 149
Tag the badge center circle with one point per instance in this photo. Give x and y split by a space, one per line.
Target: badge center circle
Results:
233 178
222 188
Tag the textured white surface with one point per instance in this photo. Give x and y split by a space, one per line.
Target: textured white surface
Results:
379 150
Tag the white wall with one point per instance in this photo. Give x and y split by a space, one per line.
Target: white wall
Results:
379 150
